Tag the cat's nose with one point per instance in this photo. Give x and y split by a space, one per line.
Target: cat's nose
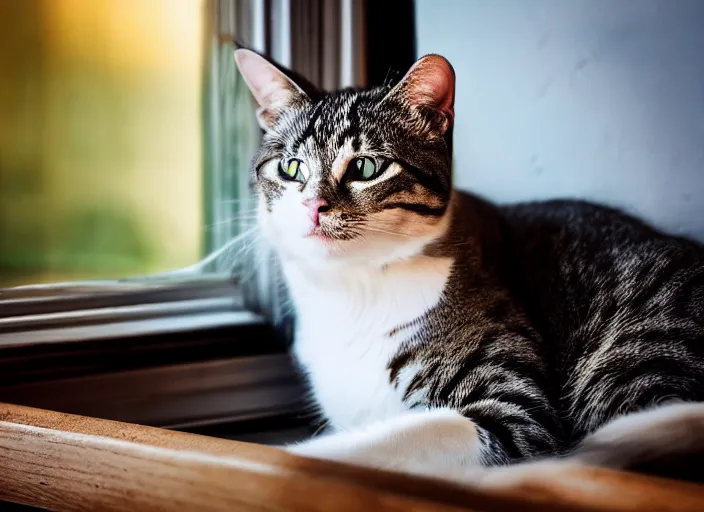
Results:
315 208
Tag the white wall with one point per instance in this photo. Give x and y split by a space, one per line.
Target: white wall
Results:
599 99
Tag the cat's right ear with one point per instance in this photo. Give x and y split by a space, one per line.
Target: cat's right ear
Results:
271 88
429 86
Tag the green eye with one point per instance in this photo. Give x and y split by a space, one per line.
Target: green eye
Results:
363 168
293 170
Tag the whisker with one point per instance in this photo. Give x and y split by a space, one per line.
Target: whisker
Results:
367 228
236 213
235 201
232 220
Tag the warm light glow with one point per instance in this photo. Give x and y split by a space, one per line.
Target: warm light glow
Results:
108 134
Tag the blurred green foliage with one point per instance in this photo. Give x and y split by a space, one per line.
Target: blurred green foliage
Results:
100 138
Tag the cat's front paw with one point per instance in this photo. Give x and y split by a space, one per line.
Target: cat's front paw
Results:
350 449
334 447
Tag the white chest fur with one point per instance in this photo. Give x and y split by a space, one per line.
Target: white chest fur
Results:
343 339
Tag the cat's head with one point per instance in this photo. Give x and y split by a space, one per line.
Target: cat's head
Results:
355 175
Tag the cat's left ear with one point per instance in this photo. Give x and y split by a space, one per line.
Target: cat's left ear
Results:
271 88
429 86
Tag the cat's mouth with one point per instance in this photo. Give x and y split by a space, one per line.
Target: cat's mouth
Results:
329 233
319 232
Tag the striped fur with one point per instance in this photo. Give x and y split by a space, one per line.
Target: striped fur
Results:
500 334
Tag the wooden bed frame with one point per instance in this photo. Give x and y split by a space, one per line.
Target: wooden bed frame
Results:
66 462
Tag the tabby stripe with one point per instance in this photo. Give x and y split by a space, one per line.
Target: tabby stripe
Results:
396 184
652 338
496 426
523 401
664 389
481 357
609 309
649 288
310 130
542 443
537 409
399 362
429 181
691 292
415 384
624 385
470 364
352 131
432 370
421 209
492 453
656 366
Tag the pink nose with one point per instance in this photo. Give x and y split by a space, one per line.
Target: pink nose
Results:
315 208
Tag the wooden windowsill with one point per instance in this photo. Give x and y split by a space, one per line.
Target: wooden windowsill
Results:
66 462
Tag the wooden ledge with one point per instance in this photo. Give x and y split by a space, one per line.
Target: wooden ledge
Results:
66 462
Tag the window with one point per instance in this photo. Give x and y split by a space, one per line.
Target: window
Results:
101 142
125 142
130 287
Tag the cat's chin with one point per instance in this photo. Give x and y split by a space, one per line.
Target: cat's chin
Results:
314 249
322 252
324 256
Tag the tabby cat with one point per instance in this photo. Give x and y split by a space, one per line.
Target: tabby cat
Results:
441 333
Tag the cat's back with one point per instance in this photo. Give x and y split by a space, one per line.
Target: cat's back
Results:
619 304
593 226
582 258
578 238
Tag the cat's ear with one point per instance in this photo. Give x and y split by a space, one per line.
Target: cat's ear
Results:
272 89
429 86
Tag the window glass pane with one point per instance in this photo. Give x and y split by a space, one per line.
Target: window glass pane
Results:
109 114
232 138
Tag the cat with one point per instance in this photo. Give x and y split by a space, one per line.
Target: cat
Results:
442 334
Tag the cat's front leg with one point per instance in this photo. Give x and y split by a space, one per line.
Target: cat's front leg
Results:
432 442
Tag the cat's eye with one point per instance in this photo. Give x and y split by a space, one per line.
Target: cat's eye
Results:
293 170
363 168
